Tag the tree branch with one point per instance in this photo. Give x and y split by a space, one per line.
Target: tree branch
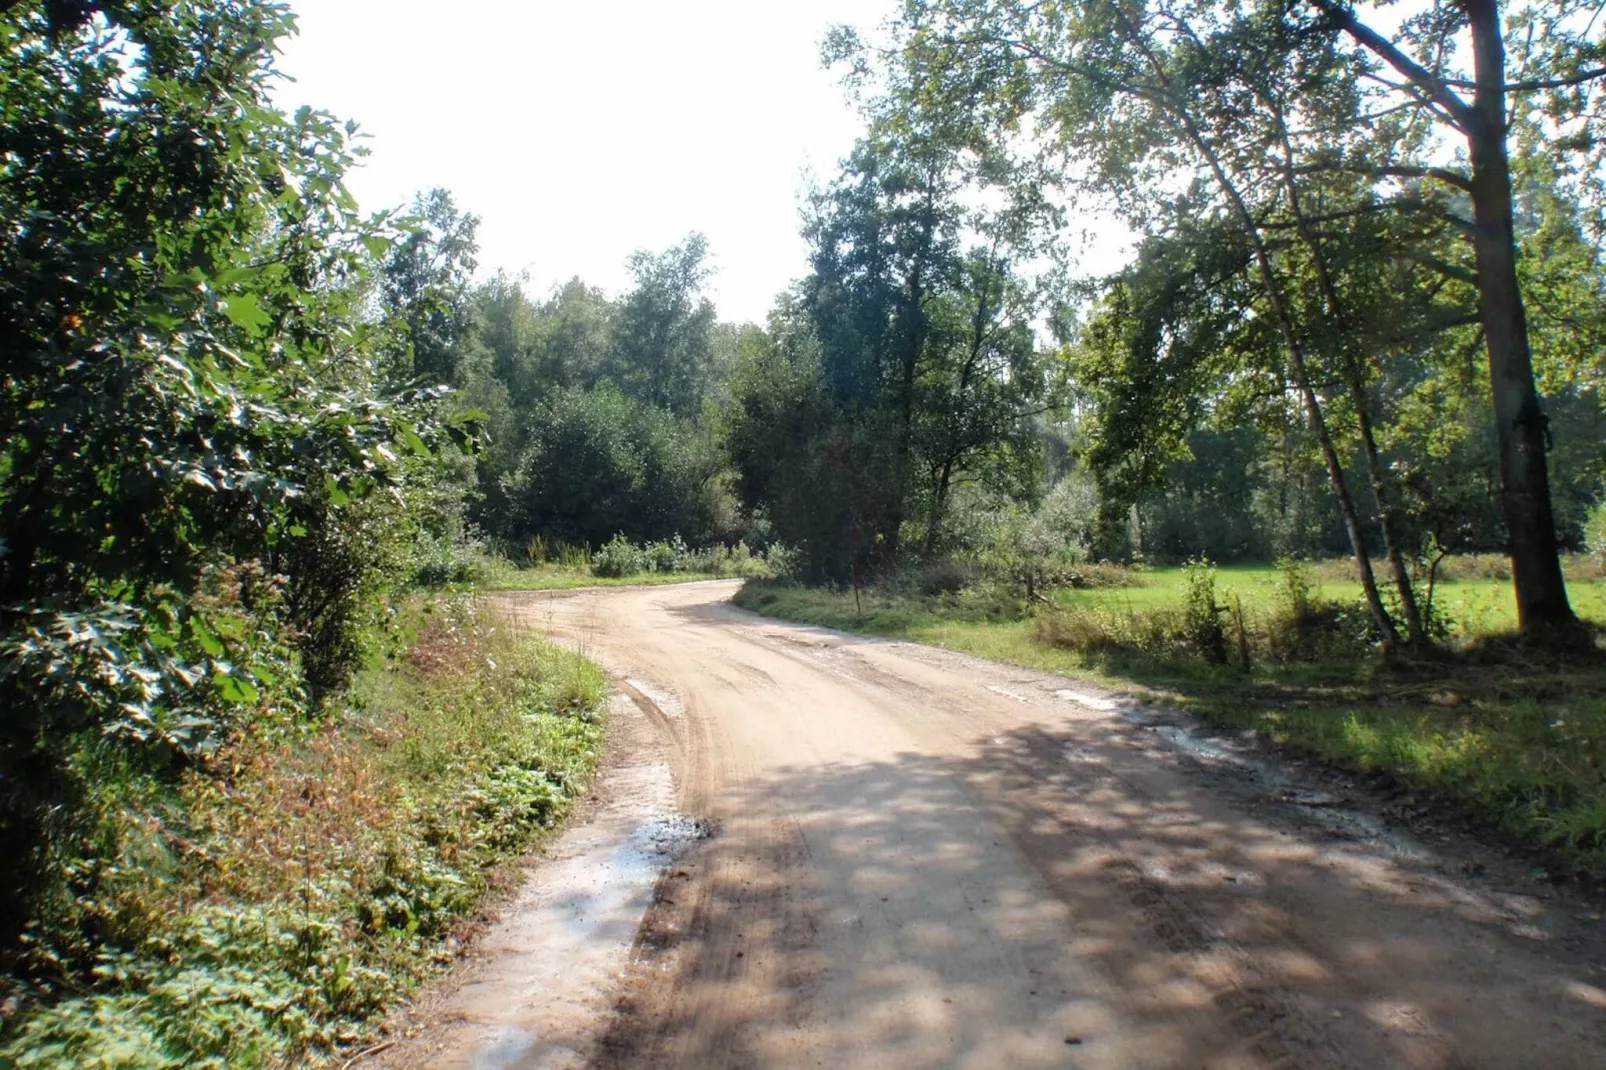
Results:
1436 88
1442 174
1443 267
1530 87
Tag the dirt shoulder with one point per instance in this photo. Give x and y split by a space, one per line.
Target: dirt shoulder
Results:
532 986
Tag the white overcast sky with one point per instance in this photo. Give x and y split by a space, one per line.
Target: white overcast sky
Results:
584 130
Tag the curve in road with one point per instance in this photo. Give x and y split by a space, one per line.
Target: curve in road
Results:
928 860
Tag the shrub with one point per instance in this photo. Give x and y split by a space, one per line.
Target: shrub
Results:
618 558
942 577
1098 574
1595 529
666 556
1201 612
283 894
1078 629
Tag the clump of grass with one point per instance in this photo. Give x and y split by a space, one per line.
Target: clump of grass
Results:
281 896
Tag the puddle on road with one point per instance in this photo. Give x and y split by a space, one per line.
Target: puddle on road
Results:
548 968
666 701
1086 698
507 1049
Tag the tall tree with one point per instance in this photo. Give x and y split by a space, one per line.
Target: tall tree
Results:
426 286
661 346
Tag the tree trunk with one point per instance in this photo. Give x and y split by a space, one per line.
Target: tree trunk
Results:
1520 420
1388 513
939 505
1355 376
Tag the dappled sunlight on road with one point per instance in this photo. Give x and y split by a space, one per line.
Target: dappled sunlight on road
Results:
925 860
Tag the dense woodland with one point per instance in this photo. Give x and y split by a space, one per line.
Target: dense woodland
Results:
1365 318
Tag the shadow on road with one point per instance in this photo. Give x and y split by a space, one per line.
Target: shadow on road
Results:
1034 903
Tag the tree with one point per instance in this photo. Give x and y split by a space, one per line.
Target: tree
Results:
903 364
426 286
661 343
598 464
1432 87
1133 91
189 395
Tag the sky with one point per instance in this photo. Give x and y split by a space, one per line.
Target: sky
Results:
582 131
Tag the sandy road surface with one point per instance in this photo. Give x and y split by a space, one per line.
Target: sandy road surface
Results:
926 860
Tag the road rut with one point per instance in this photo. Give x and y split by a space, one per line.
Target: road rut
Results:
921 859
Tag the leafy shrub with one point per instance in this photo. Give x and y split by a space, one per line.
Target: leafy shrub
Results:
618 558
441 561
1157 632
942 577
621 558
1097 574
1202 612
670 556
1595 529
293 887
337 569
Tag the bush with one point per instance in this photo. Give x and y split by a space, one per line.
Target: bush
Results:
943 577
1098 574
338 569
618 558
1201 612
1595 529
668 556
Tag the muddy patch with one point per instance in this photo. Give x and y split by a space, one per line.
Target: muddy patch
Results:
536 986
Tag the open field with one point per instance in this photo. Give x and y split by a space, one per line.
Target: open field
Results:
1473 594
1510 736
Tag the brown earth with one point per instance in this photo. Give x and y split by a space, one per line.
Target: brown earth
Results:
922 859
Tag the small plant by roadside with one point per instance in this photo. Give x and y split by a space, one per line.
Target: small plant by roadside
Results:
1201 611
619 558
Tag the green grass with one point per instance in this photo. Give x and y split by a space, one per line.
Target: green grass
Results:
269 907
1475 605
1512 736
492 573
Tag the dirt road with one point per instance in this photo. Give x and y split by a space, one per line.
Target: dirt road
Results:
925 860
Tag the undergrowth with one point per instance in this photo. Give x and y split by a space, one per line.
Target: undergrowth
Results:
274 901
1513 734
553 566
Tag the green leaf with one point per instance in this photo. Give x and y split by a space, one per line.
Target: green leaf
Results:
414 444
235 689
245 311
205 636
